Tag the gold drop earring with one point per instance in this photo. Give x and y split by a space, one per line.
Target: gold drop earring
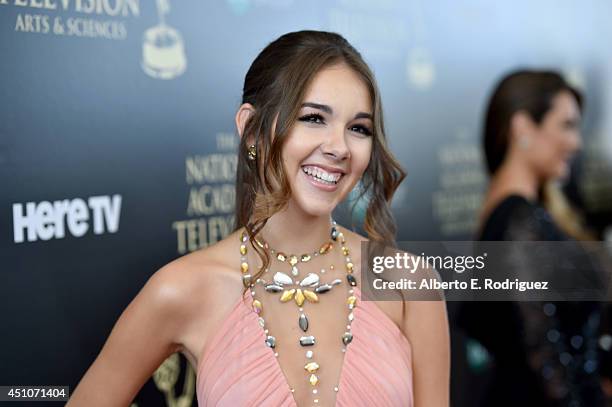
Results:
252 152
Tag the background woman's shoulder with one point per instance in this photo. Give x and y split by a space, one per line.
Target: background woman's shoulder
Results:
517 218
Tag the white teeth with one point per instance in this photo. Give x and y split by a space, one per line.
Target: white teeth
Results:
321 175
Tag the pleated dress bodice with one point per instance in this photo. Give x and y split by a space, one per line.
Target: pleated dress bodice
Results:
238 369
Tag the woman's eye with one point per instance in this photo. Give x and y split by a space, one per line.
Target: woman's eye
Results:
361 129
312 118
570 125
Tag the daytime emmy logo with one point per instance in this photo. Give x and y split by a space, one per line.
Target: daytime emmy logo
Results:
163 50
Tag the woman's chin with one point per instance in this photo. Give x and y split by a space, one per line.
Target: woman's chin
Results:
316 209
320 211
565 169
561 172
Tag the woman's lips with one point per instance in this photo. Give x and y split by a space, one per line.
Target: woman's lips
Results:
321 185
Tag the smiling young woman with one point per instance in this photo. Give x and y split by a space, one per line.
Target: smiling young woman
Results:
272 315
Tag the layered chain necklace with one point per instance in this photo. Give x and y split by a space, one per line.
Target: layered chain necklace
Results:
301 289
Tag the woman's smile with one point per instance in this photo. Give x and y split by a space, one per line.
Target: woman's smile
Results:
325 179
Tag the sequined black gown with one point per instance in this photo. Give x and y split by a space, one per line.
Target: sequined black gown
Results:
544 354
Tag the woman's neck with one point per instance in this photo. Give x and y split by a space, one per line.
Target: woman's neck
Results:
512 178
295 232
515 178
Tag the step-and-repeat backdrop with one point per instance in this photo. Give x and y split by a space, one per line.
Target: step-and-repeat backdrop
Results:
118 147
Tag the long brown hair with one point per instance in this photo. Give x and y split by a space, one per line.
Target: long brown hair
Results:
275 85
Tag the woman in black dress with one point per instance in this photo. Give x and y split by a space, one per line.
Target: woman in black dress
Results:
544 354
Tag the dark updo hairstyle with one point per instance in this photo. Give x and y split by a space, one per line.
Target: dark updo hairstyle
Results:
532 92
276 84
529 91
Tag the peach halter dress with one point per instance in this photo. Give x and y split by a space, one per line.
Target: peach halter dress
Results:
237 369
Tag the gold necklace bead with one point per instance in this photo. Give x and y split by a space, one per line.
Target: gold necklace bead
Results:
293 259
352 300
299 297
325 248
287 295
311 367
311 296
313 379
257 306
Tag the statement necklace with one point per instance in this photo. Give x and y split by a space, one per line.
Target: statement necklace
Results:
300 290
293 259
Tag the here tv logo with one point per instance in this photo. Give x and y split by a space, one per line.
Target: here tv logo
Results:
54 220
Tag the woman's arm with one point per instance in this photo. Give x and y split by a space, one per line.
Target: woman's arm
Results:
143 337
426 326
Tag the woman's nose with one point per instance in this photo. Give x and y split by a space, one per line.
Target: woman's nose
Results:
576 141
336 146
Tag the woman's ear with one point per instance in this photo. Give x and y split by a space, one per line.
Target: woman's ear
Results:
522 128
242 116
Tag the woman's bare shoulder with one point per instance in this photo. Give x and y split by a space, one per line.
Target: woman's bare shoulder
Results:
194 286
203 272
199 289
172 312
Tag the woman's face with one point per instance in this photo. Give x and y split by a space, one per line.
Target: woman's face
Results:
329 147
557 138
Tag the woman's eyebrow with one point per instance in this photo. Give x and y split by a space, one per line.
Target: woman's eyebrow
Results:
327 109
363 115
